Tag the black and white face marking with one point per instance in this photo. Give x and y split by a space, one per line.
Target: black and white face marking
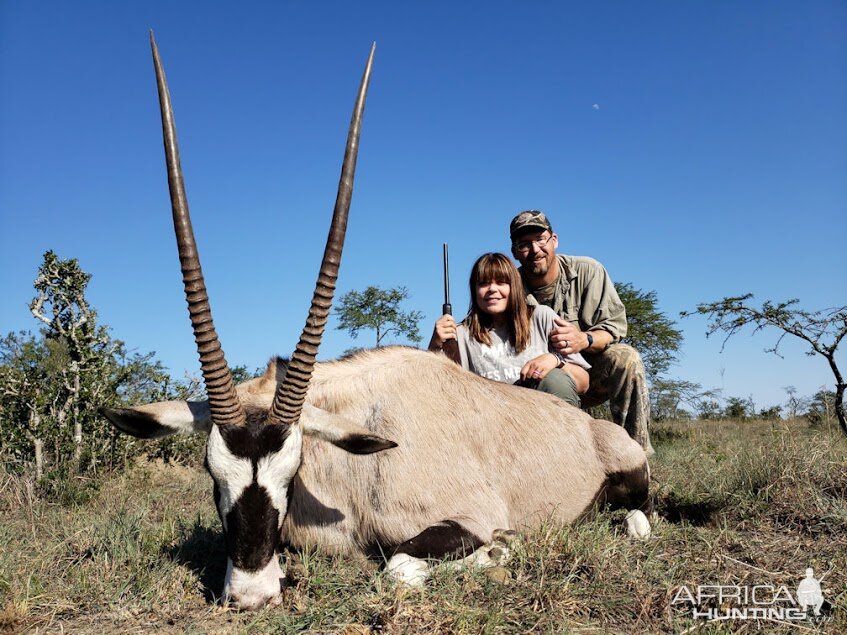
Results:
252 467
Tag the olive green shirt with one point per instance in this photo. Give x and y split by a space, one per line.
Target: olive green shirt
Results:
583 294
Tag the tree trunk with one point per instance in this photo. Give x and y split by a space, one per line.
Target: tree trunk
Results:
77 441
37 442
840 385
77 436
61 413
77 423
60 440
39 458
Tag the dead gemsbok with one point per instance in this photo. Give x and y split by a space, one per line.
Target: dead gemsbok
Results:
450 457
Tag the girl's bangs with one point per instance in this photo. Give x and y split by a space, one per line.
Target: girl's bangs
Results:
494 270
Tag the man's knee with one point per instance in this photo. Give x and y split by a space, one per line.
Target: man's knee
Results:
560 384
625 356
618 359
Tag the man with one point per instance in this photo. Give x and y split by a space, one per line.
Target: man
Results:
592 321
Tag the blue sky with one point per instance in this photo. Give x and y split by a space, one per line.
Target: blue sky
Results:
697 149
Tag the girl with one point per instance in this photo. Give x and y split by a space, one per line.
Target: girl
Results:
504 339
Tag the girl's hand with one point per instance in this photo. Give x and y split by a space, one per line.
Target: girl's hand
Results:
537 368
445 329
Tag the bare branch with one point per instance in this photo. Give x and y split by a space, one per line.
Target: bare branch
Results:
823 330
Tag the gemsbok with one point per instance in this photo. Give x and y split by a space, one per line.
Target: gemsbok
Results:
396 454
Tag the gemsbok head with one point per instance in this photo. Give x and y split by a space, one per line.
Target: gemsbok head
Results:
252 453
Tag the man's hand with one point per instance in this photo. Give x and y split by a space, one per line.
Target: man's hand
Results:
445 329
567 338
538 367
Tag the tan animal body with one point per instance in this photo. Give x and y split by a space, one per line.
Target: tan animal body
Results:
448 456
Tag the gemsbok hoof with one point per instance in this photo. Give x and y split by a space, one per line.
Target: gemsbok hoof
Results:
506 536
408 570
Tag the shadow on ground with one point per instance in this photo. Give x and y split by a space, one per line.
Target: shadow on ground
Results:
204 552
676 510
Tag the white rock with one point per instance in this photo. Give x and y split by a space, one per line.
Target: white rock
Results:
637 525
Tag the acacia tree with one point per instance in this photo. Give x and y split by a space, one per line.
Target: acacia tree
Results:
820 407
709 407
794 403
649 331
739 408
668 398
822 330
658 341
379 310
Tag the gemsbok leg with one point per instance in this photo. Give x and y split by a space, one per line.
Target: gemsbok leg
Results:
446 539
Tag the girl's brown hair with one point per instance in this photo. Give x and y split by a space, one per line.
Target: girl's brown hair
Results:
495 267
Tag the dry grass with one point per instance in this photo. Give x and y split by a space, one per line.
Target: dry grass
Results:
740 503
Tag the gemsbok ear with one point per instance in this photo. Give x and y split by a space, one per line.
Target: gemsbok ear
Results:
341 432
157 420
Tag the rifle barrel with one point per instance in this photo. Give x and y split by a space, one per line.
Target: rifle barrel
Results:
450 347
446 308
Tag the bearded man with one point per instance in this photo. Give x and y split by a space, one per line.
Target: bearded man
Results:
591 321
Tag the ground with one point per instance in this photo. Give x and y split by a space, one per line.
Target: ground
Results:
739 504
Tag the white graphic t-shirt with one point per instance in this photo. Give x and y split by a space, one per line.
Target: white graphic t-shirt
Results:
499 361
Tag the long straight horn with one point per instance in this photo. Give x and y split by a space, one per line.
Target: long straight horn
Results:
289 398
223 401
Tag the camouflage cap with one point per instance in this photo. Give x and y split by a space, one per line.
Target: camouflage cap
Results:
530 219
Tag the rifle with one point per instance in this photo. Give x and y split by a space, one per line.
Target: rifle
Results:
450 347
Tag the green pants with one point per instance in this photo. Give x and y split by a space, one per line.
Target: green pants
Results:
617 376
561 385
